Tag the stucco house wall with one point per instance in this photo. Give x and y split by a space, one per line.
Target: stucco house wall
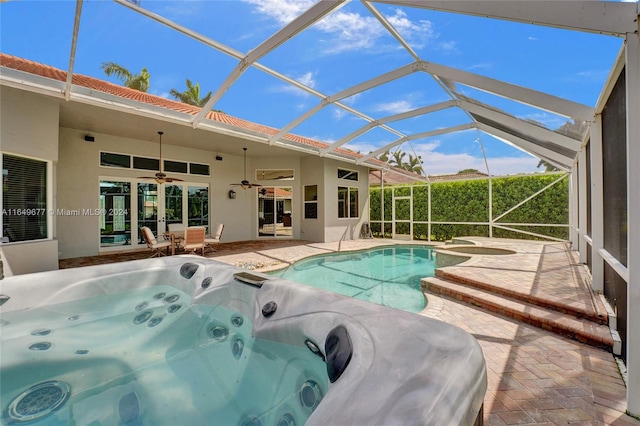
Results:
29 128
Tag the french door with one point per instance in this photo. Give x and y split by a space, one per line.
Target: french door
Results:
274 211
156 206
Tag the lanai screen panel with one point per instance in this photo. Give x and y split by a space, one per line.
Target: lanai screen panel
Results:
614 156
589 222
522 135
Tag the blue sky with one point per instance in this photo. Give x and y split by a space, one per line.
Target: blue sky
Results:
345 48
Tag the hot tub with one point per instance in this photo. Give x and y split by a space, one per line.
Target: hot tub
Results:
185 340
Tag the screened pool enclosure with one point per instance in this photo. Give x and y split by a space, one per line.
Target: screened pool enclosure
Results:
391 86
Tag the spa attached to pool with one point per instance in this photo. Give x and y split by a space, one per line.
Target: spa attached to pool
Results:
188 340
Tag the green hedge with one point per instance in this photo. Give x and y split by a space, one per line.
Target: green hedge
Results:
468 201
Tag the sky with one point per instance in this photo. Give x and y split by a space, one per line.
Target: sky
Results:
345 48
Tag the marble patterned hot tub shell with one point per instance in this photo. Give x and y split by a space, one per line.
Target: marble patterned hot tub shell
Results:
362 363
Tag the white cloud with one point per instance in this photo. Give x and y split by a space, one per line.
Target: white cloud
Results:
417 34
349 31
351 100
308 79
436 163
394 107
439 163
282 11
338 113
362 147
449 47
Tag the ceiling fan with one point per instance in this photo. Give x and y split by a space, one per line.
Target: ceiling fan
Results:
245 184
161 176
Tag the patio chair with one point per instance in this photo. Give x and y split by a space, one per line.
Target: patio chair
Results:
215 237
193 239
175 227
153 244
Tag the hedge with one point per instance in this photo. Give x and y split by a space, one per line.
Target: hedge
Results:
468 201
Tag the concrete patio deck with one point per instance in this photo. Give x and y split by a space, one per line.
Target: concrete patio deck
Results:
535 376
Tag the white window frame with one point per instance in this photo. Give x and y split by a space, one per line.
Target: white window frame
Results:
348 206
49 197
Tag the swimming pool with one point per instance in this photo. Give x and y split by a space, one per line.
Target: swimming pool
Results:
388 276
186 340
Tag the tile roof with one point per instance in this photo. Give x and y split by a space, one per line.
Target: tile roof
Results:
36 68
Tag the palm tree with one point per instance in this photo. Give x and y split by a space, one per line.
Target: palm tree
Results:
384 156
415 164
398 159
548 167
191 96
133 81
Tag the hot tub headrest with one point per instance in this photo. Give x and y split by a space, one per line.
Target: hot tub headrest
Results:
188 269
338 350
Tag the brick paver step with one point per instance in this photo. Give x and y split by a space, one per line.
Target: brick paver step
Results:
565 324
572 306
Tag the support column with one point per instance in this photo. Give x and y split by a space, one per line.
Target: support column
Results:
597 203
632 67
574 226
582 204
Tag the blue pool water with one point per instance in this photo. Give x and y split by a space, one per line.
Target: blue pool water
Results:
389 276
149 357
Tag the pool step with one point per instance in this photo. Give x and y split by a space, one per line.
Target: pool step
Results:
565 324
595 311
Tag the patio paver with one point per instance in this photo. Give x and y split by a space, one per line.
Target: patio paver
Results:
534 376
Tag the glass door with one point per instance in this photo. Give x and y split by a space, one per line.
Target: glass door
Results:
274 211
171 206
147 208
115 214
157 205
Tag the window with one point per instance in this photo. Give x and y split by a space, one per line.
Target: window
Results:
143 163
125 161
24 199
110 159
199 169
347 174
175 166
311 202
347 202
274 174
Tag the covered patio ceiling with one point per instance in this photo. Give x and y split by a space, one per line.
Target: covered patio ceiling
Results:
300 63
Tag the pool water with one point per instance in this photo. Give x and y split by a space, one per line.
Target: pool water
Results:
389 276
149 357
